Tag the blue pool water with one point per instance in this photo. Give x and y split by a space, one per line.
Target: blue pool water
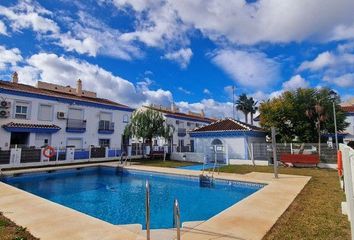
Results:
118 197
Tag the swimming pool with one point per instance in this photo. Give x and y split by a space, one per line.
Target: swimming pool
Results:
117 196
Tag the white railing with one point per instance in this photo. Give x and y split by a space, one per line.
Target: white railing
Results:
348 174
32 157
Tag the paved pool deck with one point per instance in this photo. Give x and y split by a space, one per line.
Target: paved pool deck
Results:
250 218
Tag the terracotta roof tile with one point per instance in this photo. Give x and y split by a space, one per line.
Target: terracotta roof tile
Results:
32 89
227 124
30 125
183 115
348 108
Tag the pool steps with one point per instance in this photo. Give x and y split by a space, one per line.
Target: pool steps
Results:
163 234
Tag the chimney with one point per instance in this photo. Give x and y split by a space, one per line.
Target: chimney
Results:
15 77
79 88
202 113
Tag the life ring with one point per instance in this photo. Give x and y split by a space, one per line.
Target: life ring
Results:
48 151
340 163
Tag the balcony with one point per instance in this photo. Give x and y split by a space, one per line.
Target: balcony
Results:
75 125
105 127
182 132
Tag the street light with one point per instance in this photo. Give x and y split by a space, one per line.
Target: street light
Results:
333 95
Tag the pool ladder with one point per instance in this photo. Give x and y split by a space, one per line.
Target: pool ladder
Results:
176 214
124 154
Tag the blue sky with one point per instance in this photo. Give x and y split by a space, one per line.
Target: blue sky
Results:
189 52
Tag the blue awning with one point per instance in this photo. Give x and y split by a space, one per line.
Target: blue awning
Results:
29 127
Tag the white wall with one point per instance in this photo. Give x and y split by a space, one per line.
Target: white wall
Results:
59 139
238 147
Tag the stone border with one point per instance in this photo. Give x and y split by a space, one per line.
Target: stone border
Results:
251 218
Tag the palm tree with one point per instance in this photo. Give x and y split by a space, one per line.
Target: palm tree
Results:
242 104
318 114
252 105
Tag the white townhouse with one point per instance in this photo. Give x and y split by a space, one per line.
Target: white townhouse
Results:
182 123
59 116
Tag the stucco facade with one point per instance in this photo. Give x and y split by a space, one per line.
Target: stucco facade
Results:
44 109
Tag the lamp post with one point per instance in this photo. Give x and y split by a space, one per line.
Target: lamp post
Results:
333 95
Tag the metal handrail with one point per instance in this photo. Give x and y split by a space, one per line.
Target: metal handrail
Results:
177 219
147 207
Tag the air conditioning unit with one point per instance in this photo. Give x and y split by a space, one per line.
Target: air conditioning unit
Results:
61 115
5 104
4 113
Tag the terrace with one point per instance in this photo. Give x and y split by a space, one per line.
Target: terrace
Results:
321 194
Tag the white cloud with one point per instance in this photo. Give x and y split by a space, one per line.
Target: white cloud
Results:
93 37
211 107
184 90
3 29
295 82
267 20
137 5
65 71
334 67
322 60
29 14
345 81
252 69
162 21
182 56
9 57
206 91
157 24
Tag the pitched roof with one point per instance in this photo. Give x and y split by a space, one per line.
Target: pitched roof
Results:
183 115
31 89
228 124
348 108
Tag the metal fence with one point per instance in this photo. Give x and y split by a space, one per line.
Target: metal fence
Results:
25 156
264 151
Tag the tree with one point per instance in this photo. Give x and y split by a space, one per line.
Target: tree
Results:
304 114
147 124
247 106
252 105
243 104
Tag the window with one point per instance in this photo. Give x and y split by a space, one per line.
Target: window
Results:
104 142
45 112
21 110
125 118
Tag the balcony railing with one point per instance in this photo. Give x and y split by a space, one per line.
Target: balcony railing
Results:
105 127
75 125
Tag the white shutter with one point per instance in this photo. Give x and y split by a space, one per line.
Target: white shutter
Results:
75 142
45 112
76 114
106 116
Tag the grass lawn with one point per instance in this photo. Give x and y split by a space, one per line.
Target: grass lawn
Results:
10 231
161 163
316 211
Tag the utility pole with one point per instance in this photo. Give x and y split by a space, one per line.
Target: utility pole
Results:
275 160
233 101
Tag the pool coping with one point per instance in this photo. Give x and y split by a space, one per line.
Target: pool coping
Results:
250 218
